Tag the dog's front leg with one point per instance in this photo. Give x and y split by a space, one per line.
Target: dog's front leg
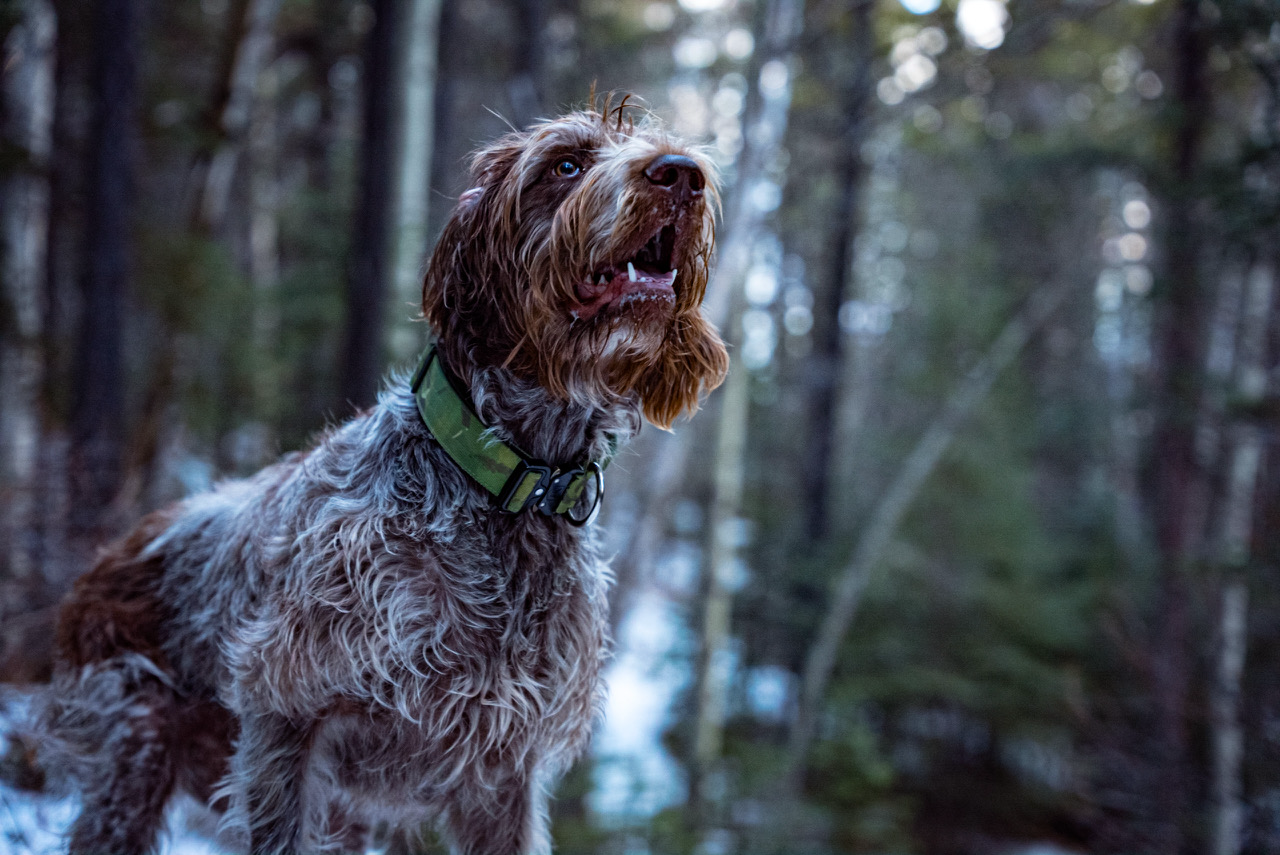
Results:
510 819
269 771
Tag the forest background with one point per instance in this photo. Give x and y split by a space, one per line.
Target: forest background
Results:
976 550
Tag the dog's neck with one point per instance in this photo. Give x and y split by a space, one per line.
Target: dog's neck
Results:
544 426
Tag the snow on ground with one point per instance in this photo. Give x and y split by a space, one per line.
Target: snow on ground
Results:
35 824
635 777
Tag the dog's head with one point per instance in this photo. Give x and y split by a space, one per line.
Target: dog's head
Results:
579 257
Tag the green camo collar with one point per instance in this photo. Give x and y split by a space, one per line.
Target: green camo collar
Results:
518 481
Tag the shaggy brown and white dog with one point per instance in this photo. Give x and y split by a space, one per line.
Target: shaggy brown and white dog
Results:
358 634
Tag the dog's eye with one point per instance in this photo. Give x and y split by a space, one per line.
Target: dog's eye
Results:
567 168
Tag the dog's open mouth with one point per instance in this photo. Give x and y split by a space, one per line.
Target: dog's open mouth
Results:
647 277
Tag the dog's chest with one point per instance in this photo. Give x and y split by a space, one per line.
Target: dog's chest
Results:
537 631
520 619
511 688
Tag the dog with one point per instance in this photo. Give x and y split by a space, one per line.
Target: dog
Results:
406 624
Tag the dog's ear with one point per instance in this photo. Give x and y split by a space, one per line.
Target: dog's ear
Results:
466 255
451 261
693 362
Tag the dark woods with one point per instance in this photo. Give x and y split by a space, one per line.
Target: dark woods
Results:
975 549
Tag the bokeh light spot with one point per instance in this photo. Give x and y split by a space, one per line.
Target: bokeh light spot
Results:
1137 214
692 52
659 16
982 22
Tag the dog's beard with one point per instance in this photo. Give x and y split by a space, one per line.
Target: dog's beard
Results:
608 351
630 339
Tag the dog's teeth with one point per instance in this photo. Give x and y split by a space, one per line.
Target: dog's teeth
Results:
604 280
631 271
674 271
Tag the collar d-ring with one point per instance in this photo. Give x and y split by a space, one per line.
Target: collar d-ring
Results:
598 476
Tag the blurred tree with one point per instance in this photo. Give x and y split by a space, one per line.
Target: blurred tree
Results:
247 47
777 26
1178 485
853 91
527 86
97 417
414 162
26 118
26 112
1233 552
889 511
371 244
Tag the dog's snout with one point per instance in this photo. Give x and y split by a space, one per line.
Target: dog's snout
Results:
676 174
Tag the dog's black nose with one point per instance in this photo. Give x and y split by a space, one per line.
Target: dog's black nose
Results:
677 174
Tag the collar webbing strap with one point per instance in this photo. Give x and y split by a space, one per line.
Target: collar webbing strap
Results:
517 481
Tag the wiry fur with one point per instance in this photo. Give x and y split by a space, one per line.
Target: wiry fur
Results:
357 634
563 232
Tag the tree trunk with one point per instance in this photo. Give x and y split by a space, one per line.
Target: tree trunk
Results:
1234 552
97 414
444 164
413 173
66 190
264 243
62 285
367 279
823 366
781 19
322 53
764 127
26 611
248 48
1178 491
525 89
26 116
234 117
713 662
965 395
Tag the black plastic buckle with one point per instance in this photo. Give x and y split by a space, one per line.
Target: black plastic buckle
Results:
517 478
560 482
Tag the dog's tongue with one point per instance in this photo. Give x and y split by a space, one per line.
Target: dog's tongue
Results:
594 295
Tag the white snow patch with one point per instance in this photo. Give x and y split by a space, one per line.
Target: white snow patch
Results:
635 777
36 823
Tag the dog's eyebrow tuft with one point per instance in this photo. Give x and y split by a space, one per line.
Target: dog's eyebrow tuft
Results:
584 151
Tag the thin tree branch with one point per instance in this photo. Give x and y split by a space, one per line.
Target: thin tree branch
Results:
965 395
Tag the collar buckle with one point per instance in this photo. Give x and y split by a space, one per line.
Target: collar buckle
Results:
558 486
502 469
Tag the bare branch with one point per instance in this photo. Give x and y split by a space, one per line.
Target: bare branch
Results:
965 395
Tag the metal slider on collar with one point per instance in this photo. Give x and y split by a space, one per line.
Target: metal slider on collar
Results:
551 493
